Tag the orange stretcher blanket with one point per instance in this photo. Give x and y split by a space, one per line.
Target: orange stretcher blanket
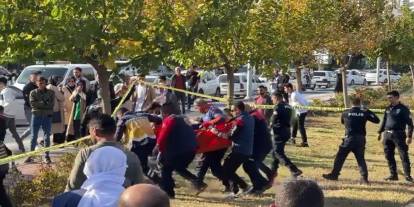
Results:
214 137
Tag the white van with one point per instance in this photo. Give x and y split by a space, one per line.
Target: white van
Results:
63 71
324 78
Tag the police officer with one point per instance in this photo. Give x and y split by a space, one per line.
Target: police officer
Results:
281 130
355 120
396 118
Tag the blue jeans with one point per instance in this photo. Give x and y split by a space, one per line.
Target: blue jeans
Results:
46 123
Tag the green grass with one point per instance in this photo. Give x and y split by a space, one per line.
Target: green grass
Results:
325 134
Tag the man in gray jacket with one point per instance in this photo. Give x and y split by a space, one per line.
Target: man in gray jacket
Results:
41 101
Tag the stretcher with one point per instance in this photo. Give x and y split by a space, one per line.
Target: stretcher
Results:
214 137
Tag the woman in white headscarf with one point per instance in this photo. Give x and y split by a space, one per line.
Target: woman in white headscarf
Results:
105 172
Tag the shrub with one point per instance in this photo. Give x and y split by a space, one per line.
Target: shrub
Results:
48 183
404 84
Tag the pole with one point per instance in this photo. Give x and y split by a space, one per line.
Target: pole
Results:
378 70
249 82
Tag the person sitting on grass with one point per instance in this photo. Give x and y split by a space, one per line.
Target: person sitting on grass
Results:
299 193
144 195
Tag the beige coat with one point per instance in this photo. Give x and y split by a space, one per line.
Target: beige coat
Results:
70 129
58 107
149 97
68 104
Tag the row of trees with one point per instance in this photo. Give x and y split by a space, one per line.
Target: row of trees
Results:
209 33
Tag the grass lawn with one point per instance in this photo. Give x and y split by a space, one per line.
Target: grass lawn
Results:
325 134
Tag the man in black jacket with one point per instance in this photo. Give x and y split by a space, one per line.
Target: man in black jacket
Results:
355 120
178 82
29 87
281 130
396 118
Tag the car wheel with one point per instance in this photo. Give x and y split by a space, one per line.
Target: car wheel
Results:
385 81
365 83
201 91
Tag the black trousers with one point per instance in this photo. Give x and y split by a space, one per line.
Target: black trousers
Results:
178 163
211 160
394 140
190 98
356 145
143 149
4 198
252 167
281 136
232 162
300 123
181 98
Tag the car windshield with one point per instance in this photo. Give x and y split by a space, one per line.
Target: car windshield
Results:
319 74
46 72
223 79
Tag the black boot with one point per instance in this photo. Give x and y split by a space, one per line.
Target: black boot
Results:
330 176
391 178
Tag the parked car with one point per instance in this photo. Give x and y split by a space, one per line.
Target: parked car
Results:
354 77
371 76
63 71
209 83
240 84
18 105
324 78
307 81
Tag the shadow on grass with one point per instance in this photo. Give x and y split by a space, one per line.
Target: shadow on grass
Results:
265 200
347 202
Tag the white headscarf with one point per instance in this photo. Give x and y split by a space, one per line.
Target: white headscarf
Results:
105 170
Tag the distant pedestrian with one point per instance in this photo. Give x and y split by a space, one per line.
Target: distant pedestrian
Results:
7 100
42 102
58 117
264 99
193 79
143 96
144 195
77 73
77 112
29 87
178 82
67 89
297 99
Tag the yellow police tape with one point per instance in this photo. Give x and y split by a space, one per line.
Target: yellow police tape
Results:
223 100
55 147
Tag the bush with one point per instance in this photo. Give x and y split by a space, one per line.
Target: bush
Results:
404 84
50 182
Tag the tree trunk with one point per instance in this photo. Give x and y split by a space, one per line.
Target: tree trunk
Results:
230 82
344 82
412 77
388 76
299 85
103 78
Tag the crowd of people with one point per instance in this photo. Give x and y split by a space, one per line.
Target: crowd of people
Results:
151 138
